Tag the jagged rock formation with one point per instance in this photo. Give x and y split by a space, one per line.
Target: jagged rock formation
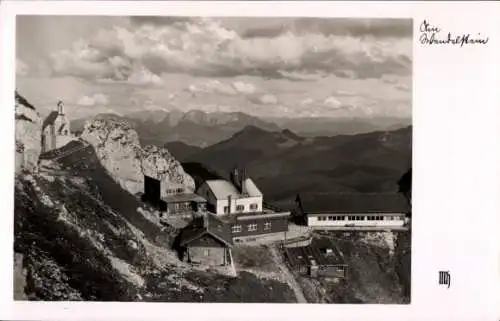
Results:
118 148
28 134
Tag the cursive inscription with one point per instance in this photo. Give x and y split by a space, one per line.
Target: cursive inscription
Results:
432 35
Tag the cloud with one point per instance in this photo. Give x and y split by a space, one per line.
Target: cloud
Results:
332 102
144 77
384 28
93 100
21 68
345 93
403 87
307 101
266 99
204 47
244 88
210 87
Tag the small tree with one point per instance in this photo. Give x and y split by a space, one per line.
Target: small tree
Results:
405 185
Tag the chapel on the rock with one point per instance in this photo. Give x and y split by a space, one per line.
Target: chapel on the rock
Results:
56 129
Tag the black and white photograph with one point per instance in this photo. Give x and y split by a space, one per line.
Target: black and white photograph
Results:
213 159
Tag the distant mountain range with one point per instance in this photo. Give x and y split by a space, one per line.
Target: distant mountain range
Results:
201 129
311 127
284 164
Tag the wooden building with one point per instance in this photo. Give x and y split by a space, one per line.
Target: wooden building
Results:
314 262
173 203
353 210
207 240
182 203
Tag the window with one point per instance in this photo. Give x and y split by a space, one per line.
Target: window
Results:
254 206
226 209
267 226
252 227
240 208
236 229
207 252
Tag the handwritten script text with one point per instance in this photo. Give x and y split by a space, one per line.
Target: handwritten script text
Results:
431 35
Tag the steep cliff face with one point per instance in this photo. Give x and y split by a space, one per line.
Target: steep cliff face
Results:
118 148
28 134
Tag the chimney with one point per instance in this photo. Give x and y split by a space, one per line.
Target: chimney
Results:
243 177
235 179
229 204
60 107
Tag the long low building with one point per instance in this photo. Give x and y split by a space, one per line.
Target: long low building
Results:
353 210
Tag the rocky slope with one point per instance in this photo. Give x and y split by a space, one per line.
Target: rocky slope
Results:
28 129
118 148
79 236
378 272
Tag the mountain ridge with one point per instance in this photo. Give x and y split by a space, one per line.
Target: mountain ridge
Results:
284 164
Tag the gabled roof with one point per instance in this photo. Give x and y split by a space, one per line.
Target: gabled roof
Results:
222 188
50 119
185 197
251 188
209 224
354 203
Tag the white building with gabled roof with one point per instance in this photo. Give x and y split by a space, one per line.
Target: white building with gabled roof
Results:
56 129
240 195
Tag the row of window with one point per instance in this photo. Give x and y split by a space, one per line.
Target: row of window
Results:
357 218
250 227
182 206
174 191
241 208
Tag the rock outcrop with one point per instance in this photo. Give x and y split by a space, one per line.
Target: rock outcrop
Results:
28 135
19 278
118 148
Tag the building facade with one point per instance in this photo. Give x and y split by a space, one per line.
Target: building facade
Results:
240 195
207 241
258 224
354 210
239 204
56 129
356 219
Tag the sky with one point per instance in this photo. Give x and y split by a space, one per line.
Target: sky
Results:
267 67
